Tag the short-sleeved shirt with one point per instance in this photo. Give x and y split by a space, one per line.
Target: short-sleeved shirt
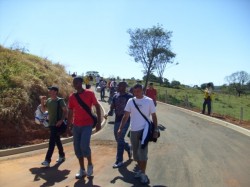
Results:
147 107
119 101
52 106
80 116
151 92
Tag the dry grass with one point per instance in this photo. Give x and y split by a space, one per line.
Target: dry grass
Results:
23 78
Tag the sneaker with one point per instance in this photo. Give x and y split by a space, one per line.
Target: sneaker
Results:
60 159
45 163
117 164
130 153
144 178
138 174
90 170
80 174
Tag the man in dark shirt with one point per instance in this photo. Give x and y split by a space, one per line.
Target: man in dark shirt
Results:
119 102
55 121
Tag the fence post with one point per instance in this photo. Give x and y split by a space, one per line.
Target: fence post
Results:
166 93
241 114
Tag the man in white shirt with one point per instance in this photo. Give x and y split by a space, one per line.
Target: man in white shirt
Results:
137 125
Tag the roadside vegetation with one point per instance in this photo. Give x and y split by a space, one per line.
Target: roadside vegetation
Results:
23 78
222 104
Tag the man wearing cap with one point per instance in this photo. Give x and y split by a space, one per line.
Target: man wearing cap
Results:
82 124
51 104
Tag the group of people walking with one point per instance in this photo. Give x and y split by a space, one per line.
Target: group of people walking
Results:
78 118
128 108
126 115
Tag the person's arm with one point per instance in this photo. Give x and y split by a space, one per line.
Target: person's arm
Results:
70 117
64 115
99 120
123 122
110 112
154 118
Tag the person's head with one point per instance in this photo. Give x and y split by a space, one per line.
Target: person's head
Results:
151 85
121 87
53 91
138 91
77 82
209 85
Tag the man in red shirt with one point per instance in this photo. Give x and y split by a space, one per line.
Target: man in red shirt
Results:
151 92
82 125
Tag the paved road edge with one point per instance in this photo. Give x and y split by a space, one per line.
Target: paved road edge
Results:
18 150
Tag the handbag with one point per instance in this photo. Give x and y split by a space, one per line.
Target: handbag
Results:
63 127
150 123
87 109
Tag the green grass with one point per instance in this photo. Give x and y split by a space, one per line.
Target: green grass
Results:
223 104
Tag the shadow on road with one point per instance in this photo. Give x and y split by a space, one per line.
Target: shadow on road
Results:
111 122
161 127
128 176
51 175
86 182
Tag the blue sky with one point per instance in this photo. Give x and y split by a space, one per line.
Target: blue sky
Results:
211 38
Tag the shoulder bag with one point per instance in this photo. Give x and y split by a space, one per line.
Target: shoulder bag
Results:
150 123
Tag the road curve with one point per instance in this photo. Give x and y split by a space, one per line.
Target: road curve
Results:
191 152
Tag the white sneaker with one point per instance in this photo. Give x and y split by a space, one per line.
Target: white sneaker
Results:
144 178
117 164
80 174
90 170
45 163
138 174
60 159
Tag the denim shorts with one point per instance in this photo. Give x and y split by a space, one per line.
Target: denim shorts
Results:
81 138
139 154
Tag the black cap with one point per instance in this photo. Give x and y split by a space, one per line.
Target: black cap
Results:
55 88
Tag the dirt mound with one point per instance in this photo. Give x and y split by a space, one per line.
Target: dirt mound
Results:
23 78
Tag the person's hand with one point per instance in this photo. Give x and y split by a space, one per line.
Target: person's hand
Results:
105 116
119 132
98 127
59 123
155 135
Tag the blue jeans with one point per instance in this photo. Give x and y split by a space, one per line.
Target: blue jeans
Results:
81 137
208 103
102 93
121 144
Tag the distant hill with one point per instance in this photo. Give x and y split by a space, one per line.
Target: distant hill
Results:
23 78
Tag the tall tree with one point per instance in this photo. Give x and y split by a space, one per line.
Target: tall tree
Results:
162 59
237 81
151 47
